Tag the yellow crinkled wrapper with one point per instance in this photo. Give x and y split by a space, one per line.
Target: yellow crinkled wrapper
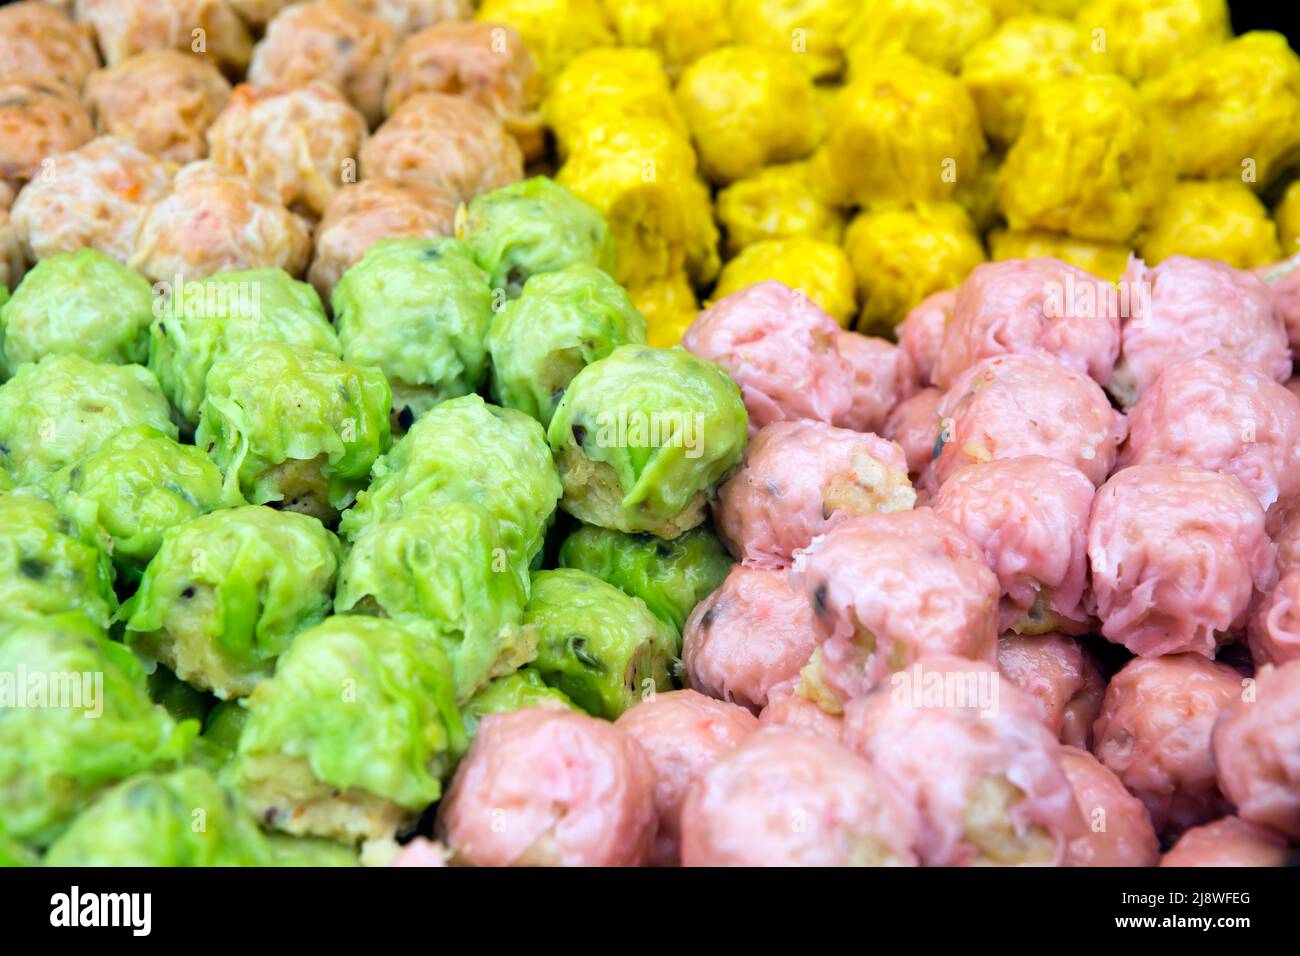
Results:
747 107
900 131
1221 219
821 270
640 175
776 203
1230 110
680 31
978 194
1287 215
814 29
1147 37
900 255
609 85
1105 259
1005 9
555 31
1086 162
1003 70
937 32
669 306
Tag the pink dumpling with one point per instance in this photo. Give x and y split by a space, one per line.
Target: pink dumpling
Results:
1032 306
754 632
786 798
914 425
786 708
1219 413
1230 841
1060 677
781 349
1154 734
1030 517
1274 630
549 787
1017 405
883 376
1197 307
1117 827
921 333
795 477
1257 750
886 589
1177 555
682 733
971 753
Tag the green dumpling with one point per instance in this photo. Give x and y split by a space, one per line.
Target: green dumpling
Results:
135 487
80 303
63 407
601 647
294 425
310 851
94 724
181 818
446 564
203 320
467 450
670 576
418 310
49 563
533 226
6 483
224 724
643 437
351 738
518 691
563 321
227 592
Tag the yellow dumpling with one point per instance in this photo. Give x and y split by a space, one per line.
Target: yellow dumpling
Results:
819 269
1147 37
1003 70
747 107
900 255
1005 9
555 31
814 29
680 31
1231 110
1287 215
900 131
1086 161
640 174
937 32
669 306
609 85
1105 259
1221 219
775 203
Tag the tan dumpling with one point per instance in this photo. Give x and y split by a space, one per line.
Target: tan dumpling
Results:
38 40
206 27
215 220
362 213
485 62
407 16
38 120
328 40
446 141
298 143
163 101
93 197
